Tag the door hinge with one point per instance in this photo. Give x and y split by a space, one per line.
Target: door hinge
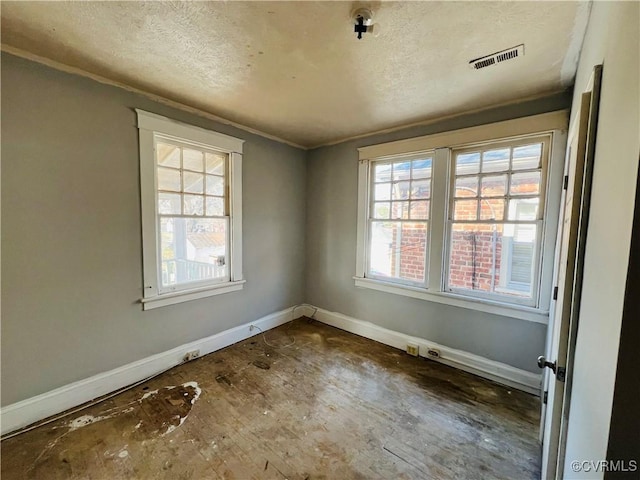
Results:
545 397
565 184
561 373
555 293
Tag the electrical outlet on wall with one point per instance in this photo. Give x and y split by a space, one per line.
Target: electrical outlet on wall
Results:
413 349
433 353
192 355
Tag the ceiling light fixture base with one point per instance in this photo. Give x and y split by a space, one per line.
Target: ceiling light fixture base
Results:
363 21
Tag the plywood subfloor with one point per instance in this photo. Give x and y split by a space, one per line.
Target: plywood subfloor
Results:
331 405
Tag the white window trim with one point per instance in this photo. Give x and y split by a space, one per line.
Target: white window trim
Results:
546 139
150 124
554 123
395 158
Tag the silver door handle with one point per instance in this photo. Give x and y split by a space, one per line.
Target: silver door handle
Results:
559 371
542 363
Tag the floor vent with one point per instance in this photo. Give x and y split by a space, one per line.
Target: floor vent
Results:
497 57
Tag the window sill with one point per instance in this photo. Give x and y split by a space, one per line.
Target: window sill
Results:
497 308
194 294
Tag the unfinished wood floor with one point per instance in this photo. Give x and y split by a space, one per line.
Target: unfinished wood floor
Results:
331 406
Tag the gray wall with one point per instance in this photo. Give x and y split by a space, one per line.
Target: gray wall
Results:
331 250
71 244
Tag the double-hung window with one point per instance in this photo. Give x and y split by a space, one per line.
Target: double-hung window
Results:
467 218
399 219
191 211
495 221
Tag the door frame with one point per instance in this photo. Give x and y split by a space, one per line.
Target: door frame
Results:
564 327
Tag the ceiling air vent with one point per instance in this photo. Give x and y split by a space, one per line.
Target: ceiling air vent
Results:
501 56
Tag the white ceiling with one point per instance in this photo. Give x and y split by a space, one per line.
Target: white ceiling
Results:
295 70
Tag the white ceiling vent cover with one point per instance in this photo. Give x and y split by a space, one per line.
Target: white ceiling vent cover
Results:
495 58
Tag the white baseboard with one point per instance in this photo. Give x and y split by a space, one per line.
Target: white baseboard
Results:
31 410
483 367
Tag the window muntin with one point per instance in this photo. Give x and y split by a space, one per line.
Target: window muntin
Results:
495 220
193 214
400 193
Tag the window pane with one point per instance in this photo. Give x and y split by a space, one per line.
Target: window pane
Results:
419 210
466 187
518 259
527 157
193 205
526 183
382 255
401 170
413 243
495 160
421 188
473 250
215 207
465 210
398 250
192 160
192 250
215 163
382 172
468 163
492 209
193 182
523 209
169 203
381 210
400 191
215 185
382 191
494 185
400 210
421 168
168 155
168 179
497 258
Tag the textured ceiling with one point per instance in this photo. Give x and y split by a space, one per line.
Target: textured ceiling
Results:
296 70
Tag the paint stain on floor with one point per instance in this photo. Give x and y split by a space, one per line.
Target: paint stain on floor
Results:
120 431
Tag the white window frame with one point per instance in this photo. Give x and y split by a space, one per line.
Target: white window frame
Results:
553 124
545 139
389 160
151 127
